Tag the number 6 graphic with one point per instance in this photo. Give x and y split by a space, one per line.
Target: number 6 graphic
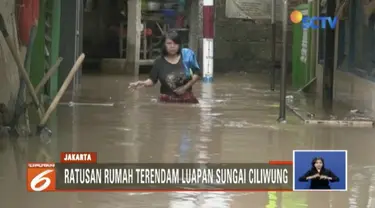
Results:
40 178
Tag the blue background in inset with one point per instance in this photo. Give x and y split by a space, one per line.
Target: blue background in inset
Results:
335 161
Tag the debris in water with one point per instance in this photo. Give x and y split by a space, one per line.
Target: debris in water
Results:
356 111
71 104
332 117
311 115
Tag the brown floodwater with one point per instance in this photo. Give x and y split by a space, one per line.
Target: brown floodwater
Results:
235 122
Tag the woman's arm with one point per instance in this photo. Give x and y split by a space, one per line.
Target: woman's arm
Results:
196 71
154 75
332 177
151 81
193 80
147 83
307 176
182 90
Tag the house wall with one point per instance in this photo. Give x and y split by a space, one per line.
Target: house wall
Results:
9 78
354 79
355 91
350 89
243 45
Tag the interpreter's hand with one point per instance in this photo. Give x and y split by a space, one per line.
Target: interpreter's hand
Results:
135 85
314 176
323 177
180 90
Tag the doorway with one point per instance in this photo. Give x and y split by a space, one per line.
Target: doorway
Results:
105 30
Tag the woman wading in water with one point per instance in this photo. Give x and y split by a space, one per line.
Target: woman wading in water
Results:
177 71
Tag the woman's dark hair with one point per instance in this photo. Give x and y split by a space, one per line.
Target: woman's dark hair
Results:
315 159
175 37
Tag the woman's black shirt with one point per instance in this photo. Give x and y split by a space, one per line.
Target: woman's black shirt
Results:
170 76
318 183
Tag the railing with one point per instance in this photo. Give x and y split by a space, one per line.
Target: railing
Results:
51 40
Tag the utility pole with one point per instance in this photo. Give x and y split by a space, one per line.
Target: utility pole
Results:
284 63
208 40
273 45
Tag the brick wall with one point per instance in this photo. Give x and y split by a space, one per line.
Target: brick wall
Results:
9 78
243 45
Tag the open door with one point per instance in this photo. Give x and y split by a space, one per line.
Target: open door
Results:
71 38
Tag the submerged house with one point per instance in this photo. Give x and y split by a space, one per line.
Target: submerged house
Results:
354 74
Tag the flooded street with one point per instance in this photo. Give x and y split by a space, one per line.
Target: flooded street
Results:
235 122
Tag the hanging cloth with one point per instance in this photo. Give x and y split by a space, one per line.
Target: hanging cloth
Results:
28 11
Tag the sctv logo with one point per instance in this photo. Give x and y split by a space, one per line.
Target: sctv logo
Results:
313 22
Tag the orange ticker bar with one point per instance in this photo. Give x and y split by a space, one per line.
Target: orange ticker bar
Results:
280 162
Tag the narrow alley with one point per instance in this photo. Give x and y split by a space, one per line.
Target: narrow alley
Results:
246 62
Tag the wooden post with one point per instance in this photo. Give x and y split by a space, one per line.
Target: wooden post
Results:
194 34
284 62
328 73
133 42
313 43
273 46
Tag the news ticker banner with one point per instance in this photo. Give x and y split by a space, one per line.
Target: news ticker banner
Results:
81 173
